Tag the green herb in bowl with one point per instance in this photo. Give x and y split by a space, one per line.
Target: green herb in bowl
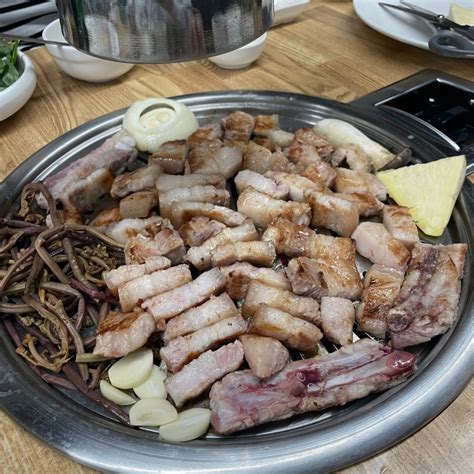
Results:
8 63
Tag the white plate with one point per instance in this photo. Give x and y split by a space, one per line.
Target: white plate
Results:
403 26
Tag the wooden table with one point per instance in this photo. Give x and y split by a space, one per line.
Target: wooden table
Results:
328 52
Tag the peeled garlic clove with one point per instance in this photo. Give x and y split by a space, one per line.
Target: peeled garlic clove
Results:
114 394
153 386
132 370
152 412
190 425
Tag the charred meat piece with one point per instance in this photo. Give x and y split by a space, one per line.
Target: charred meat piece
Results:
381 288
205 160
138 205
199 375
66 216
354 156
297 185
256 252
106 217
183 349
205 135
262 209
298 306
121 333
264 124
125 229
302 155
309 137
399 223
264 355
171 156
320 172
428 301
260 159
349 181
374 242
367 204
168 182
238 126
263 184
138 180
173 302
294 332
242 400
337 319
197 230
214 309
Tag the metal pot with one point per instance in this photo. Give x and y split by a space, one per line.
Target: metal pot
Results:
162 31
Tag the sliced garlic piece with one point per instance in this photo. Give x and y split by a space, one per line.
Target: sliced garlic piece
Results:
190 425
114 394
152 412
132 370
153 386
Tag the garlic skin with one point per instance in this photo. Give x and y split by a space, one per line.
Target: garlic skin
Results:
153 386
191 424
114 394
152 412
132 370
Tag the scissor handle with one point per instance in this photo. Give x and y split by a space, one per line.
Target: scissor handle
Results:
451 44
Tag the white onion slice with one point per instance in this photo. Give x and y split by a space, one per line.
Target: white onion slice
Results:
152 122
114 394
153 386
132 370
190 425
152 412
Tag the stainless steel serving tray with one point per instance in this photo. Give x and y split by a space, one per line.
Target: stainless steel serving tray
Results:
308 443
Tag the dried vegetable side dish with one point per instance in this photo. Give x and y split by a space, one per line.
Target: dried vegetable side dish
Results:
194 278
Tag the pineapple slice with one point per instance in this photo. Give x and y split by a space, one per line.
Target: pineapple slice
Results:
429 190
461 15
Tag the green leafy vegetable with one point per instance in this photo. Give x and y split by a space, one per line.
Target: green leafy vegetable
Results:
8 63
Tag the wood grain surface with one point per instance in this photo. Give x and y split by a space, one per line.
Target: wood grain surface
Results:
328 52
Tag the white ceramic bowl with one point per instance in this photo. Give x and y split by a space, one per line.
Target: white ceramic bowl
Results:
15 96
241 57
78 64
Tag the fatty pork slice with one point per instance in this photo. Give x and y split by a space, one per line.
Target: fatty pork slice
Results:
297 185
174 302
139 204
125 273
184 211
239 275
183 349
298 306
146 286
241 400
381 288
198 229
331 271
171 156
262 209
225 160
213 310
264 355
267 143
281 137
294 332
320 172
350 181
367 204
256 252
333 212
198 376
399 223
354 156
308 136
121 333
260 159
264 124
138 180
374 242
208 135
201 257
427 304
168 182
337 319
238 126
261 183
302 155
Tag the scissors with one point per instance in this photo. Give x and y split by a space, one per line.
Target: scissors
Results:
452 39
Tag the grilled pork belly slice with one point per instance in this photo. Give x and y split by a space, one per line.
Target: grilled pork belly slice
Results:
294 332
264 355
374 242
138 205
281 137
146 286
381 288
197 230
302 155
171 156
199 375
106 217
238 126
337 319
205 135
125 229
262 209
333 212
206 160
213 310
309 137
241 400
183 349
354 156
239 275
264 124
427 304
169 243
256 252
367 204
399 223
138 180
263 184
267 143
320 172
201 257
173 302
168 182
117 277
350 181
121 333
297 185
260 159
298 306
